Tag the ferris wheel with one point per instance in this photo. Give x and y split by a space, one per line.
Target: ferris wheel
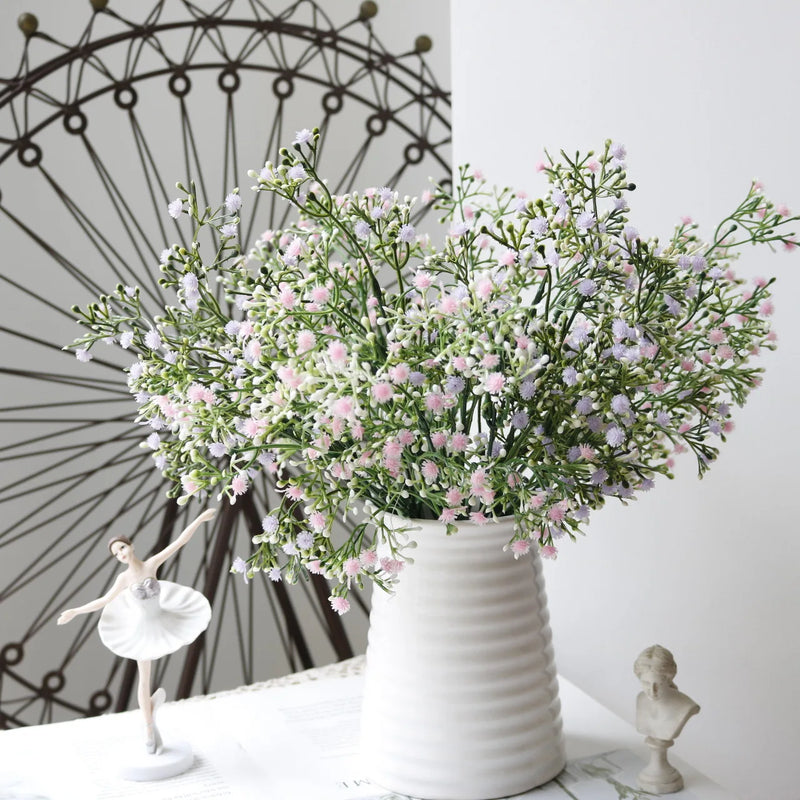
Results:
93 137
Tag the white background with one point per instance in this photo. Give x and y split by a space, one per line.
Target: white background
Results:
704 96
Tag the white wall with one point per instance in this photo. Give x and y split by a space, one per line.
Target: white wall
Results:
704 95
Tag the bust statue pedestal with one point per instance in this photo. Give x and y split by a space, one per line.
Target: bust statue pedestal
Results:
659 776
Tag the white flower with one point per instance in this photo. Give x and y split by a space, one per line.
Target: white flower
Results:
152 339
175 208
233 203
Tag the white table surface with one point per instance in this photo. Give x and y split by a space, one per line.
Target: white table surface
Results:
293 738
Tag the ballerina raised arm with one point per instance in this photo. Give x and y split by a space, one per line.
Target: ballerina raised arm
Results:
155 561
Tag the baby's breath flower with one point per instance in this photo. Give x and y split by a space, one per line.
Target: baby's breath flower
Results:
545 358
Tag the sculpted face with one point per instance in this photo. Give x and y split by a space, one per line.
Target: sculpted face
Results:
122 551
654 682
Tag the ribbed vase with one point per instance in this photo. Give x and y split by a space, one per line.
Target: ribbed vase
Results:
461 696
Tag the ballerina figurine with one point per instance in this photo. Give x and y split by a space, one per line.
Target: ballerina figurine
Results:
151 619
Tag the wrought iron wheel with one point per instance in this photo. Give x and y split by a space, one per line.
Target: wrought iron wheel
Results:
92 138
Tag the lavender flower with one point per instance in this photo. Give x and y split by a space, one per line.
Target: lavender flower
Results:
297 173
233 203
520 420
407 234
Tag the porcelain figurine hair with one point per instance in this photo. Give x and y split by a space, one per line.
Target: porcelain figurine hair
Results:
658 659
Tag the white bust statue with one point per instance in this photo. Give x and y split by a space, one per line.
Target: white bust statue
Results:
661 713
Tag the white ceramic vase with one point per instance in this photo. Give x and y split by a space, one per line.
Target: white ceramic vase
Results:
461 696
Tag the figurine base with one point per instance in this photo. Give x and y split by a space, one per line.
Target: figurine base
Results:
173 760
661 784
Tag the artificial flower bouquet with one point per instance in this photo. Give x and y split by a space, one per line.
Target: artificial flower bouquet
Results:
544 358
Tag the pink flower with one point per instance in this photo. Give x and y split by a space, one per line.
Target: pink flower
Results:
557 513
286 296
453 496
483 289
405 437
659 387
382 392
239 485
392 450
687 365
342 407
429 471
490 360
337 352
478 480
448 515
434 402
459 442
439 439
495 382
305 341
252 352
341 605
189 486
352 567
317 521
251 427
290 377
766 308
448 304
320 294
586 452
294 493
520 548
391 565
717 336
507 258
422 280
478 517
399 373
725 352
460 363
548 551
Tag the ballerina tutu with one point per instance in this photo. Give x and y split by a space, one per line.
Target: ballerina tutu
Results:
152 619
